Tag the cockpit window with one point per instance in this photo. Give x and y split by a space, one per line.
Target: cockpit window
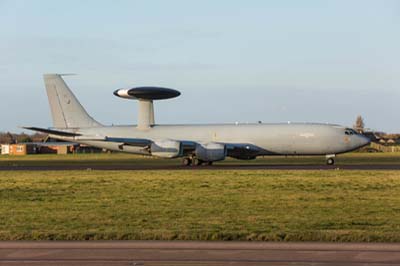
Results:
350 131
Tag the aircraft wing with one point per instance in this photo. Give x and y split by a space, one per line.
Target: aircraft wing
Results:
78 136
131 141
236 150
53 131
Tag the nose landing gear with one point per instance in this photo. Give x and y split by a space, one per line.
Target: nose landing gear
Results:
330 159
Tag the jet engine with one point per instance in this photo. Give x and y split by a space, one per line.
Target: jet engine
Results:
166 148
210 152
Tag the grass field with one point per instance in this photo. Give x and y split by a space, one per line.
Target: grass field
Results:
127 159
201 205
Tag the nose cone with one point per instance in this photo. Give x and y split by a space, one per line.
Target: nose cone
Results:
116 93
363 140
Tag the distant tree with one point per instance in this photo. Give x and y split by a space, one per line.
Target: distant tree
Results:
22 138
359 125
38 137
7 138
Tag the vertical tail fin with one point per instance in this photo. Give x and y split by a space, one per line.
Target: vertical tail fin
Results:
66 110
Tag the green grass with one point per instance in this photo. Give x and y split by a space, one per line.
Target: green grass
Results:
128 159
201 205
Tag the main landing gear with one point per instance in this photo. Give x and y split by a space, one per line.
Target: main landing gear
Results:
330 159
186 161
194 161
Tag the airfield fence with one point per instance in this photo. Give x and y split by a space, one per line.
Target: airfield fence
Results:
384 148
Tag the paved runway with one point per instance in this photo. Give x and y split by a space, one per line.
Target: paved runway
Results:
196 253
51 167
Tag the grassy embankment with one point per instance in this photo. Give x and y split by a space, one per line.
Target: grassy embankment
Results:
201 205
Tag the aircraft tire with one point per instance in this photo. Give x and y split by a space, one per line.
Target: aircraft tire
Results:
330 161
186 161
196 162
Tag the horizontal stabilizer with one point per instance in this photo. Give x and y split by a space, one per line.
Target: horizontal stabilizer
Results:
53 132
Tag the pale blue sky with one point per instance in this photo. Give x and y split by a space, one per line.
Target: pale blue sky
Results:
275 61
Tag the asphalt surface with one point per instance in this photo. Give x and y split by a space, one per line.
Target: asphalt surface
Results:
196 253
51 167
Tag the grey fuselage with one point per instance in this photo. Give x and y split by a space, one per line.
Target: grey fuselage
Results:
206 142
272 139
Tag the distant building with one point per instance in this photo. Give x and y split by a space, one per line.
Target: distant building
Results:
46 148
37 148
56 148
22 149
5 149
87 149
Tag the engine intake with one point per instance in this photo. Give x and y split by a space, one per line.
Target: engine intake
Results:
166 148
210 152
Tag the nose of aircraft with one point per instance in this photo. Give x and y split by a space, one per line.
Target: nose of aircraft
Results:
363 140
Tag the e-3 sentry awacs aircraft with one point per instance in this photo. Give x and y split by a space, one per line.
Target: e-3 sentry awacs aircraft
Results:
196 144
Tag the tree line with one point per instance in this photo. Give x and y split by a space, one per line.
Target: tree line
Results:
13 138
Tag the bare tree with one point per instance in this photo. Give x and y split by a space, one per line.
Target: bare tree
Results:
7 138
12 138
38 137
359 125
23 138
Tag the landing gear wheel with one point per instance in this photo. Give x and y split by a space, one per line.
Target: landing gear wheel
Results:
209 163
186 161
330 161
196 162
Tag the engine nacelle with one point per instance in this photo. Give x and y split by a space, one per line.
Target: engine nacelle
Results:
210 152
166 148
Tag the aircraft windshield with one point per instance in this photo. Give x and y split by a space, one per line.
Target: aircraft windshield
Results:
350 131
